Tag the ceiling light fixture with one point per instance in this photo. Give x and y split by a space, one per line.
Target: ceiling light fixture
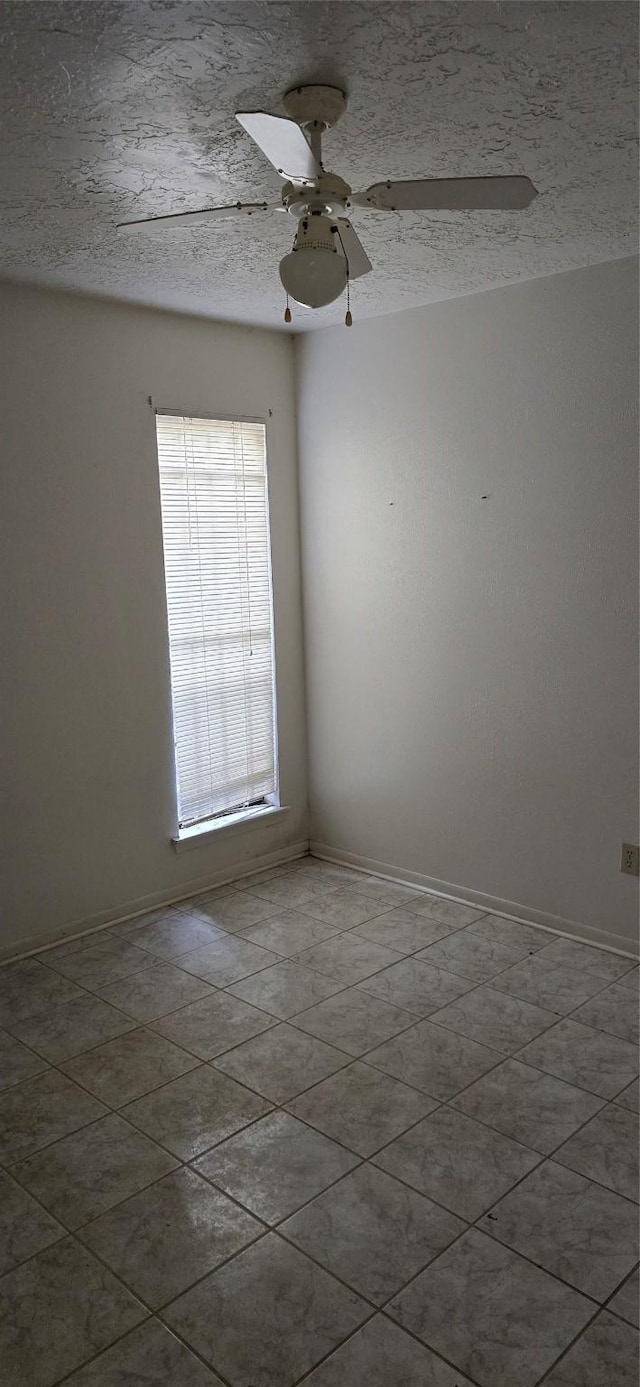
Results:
315 271
327 253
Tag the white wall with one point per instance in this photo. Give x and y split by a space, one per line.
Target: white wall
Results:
88 802
472 663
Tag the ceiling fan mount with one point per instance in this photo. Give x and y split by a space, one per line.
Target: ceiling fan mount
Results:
311 274
315 105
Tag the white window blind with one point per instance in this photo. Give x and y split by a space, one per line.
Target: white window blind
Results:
215 526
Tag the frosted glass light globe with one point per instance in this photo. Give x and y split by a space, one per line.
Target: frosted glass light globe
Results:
315 271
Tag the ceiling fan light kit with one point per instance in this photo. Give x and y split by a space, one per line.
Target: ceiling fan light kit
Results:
315 271
327 252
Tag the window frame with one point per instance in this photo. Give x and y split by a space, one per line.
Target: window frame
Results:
232 821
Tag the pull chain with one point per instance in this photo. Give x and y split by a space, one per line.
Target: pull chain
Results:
287 312
348 320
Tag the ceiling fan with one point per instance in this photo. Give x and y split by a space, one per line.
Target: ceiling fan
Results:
327 253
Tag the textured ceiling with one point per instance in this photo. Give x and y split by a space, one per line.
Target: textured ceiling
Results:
112 111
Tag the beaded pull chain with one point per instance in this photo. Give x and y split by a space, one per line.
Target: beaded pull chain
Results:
348 320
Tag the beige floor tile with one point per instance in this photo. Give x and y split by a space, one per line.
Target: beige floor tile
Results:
148 1357
282 1062
533 1108
213 1025
100 962
590 1059
435 1060
289 932
57 1311
471 956
128 1066
626 1301
285 989
162 1240
460 1163
298 1315
195 1112
403 931
155 992
492 1314
39 1111
278 981
547 985
494 1018
347 958
83 1174
614 1010
606 1353
372 1232
170 937
416 986
72 1027
276 1165
227 960
18 1063
381 1354
606 1150
583 1233
361 1107
25 1227
344 908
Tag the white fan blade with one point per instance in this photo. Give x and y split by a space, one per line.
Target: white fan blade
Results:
284 144
449 194
207 214
356 255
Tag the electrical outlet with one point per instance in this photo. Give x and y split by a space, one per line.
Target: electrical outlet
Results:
630 862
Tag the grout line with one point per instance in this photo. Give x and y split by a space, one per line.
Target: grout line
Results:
568 1347
135 972
74 1234
186 1160
402 1329
416 1019
526 1256
350 1059
188 1163
299 1381
192 1285
378 1149
47 1145
151 1318
276 1230
613 1295
299 1208
523 1256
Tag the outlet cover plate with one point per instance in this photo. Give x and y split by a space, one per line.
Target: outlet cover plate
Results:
630 861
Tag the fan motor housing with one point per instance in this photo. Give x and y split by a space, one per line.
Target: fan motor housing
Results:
329 195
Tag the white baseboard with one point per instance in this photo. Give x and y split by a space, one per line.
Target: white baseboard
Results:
92 924
511 910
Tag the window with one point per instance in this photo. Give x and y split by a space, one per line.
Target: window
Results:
215 526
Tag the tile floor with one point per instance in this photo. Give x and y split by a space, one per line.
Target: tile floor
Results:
319 1128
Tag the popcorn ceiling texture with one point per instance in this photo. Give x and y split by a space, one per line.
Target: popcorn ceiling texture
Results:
113 111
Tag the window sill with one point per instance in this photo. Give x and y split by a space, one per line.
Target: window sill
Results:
201 835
